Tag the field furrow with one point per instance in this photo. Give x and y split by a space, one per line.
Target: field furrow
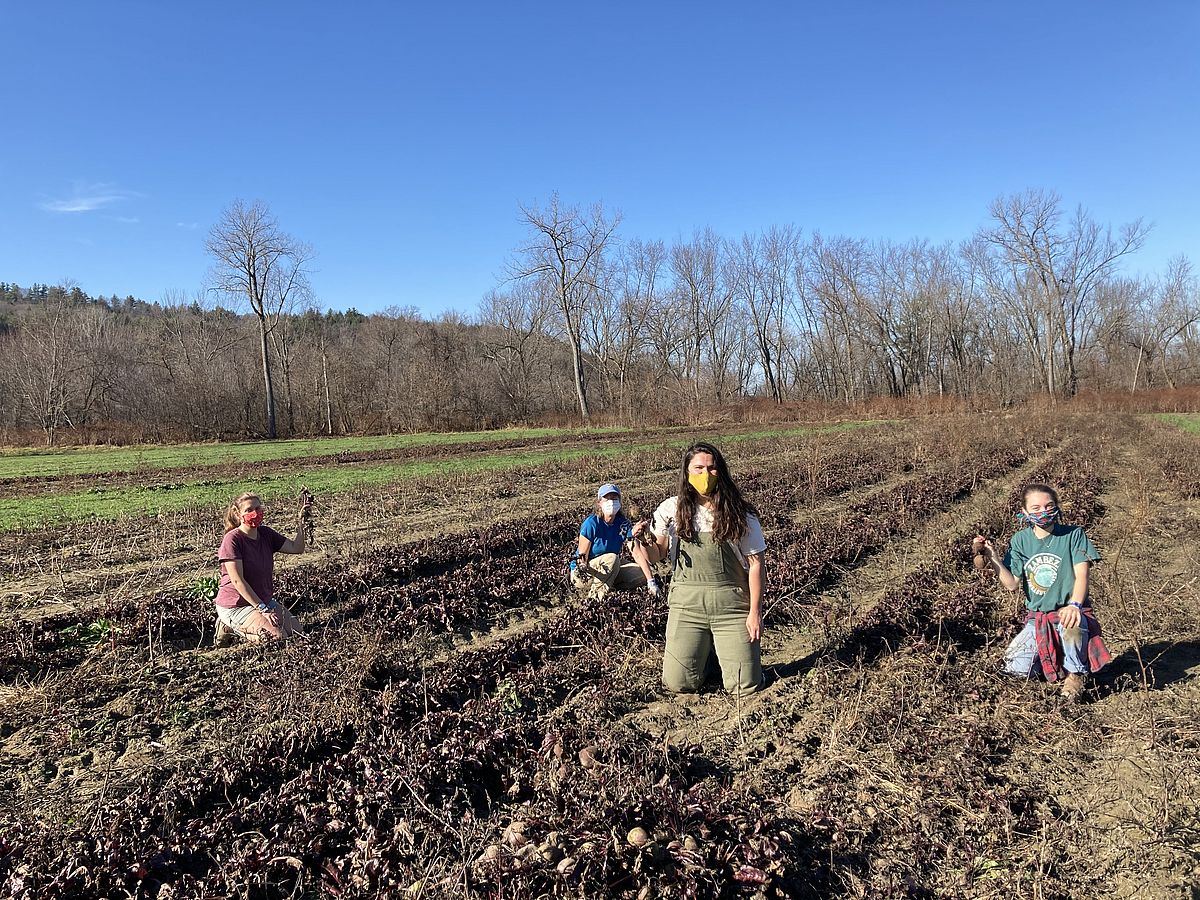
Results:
457 723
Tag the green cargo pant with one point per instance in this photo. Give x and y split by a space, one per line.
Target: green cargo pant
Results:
708 603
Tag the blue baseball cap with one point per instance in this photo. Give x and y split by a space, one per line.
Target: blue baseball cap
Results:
608 489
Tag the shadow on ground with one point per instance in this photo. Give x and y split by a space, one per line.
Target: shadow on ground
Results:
1157 665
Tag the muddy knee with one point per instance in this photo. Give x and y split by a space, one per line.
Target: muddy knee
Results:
682 677
678 683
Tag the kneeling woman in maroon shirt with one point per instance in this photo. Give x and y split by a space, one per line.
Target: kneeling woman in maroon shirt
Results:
246 602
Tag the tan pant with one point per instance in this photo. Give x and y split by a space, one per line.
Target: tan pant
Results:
610 573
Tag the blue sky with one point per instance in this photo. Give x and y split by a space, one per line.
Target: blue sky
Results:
399 139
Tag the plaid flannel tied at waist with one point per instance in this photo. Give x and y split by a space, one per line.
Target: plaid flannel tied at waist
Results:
1049 646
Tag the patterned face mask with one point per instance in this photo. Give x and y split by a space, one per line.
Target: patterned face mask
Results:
1042 519
252 518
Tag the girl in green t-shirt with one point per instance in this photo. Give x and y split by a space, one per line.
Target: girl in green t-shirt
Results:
1050 561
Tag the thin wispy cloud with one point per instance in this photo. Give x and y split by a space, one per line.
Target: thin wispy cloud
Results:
88 197
191 226
126 220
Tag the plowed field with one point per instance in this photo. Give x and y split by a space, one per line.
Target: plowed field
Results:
457 723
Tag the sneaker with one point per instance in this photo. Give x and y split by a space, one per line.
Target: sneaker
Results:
654 587
1072 689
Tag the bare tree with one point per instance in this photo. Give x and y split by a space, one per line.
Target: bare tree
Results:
519 344
1150 316
323 391
762 270
254 259
291 297
836 278
41 365
385 349
1176 310
639 270
192 351
1052 273
566 250
705 299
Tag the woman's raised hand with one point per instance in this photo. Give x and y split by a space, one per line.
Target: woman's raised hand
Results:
982 546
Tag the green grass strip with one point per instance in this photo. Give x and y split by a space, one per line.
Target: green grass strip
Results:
106 504
1189 422
118 460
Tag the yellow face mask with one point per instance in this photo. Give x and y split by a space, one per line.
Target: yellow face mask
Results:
703 482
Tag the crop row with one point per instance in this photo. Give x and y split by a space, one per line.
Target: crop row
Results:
243 469
434 585
929 791
450 750
812 554
932 600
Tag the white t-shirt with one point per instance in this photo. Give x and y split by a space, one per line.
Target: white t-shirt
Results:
752 541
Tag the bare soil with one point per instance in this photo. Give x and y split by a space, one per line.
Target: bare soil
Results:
910 763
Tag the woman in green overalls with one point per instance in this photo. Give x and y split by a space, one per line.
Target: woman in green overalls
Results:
716 546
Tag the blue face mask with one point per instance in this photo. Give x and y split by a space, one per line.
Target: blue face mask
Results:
1043 519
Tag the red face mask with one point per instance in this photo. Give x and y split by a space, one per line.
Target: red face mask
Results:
252 518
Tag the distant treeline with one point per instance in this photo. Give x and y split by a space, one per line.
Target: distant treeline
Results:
593 325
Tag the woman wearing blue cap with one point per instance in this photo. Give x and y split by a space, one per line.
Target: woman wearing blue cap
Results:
604 537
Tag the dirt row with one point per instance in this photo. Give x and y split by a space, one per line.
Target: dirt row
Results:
1097 799
76 568
854 761
107 713
286 689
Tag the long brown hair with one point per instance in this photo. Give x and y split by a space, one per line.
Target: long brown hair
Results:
730 508
233 515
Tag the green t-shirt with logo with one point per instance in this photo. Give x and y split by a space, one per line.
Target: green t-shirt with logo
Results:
1046 567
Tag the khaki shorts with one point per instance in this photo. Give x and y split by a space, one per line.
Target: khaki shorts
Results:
236 617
